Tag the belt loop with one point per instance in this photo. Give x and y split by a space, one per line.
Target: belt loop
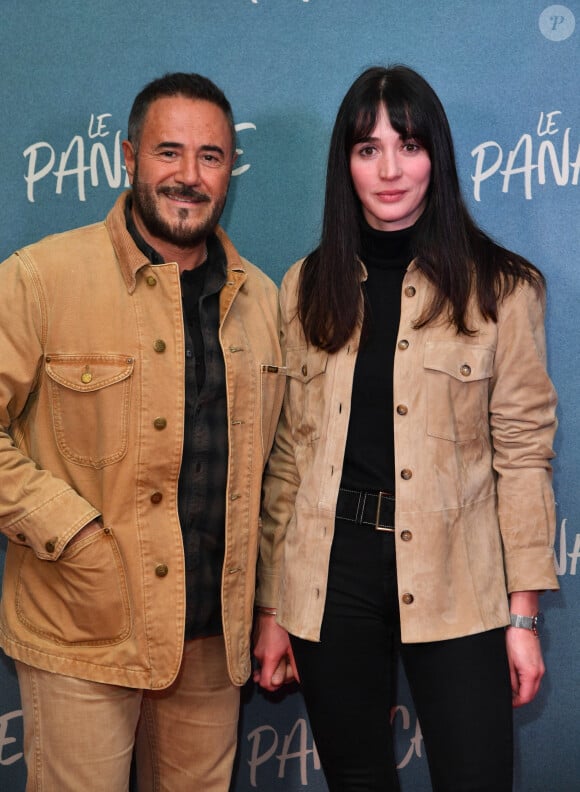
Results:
360 507
378 514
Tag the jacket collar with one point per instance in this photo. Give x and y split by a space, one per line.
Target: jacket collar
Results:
364 272
131 259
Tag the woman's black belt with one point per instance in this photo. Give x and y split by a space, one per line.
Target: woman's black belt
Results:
376 509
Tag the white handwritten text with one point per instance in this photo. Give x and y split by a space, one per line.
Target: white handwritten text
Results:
524 161
98 155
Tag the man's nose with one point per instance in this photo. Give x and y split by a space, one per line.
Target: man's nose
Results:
188 172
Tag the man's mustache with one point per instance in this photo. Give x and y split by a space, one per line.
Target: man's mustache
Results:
188 193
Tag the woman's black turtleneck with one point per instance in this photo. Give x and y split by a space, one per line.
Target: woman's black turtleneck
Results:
369 454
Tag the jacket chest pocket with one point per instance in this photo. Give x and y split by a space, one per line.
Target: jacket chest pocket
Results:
458 377
89 399
306 369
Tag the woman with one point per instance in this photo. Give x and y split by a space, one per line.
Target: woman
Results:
408 507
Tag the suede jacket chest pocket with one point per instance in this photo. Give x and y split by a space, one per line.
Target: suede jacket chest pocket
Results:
306 370
458 378
89 398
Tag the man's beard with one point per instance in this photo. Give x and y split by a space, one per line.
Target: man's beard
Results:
181 233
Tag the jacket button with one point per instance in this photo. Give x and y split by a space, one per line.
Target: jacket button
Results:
403 344
151 280
406 536
86 377
161 570
304 370
402 409
21 537
160 423
407 598
465 370
50 545
159 345
410 291
406 474
156 497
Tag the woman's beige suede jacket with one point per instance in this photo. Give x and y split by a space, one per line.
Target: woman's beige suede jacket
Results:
474 420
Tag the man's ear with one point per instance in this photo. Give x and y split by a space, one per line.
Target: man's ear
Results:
129 154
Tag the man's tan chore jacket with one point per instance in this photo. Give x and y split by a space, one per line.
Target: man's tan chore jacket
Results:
91 425
474 420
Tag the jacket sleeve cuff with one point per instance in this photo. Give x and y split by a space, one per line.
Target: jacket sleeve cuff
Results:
531 569
267 589
48 528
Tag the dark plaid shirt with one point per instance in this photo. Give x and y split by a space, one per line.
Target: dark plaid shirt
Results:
203 477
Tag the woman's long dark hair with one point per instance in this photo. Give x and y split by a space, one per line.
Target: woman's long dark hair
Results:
450 249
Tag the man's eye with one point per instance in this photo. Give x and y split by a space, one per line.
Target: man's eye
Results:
212 159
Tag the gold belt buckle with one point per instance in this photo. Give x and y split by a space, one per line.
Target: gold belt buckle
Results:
378 515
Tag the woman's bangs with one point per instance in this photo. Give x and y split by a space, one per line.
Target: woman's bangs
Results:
364 123
407 121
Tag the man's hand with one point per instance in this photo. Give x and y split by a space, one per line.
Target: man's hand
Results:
87 530
273 651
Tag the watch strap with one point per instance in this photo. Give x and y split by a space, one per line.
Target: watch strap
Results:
526 622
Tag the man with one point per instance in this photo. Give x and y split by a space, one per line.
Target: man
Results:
140 385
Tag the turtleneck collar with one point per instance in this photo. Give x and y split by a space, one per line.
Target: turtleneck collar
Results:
386 249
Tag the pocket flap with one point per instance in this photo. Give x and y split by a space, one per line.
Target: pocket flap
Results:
464 362
305 364
90 372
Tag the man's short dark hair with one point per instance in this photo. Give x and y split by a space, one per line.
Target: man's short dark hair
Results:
191 86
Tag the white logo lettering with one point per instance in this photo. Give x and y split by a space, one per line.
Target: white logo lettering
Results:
85 161
563 555
5 757
416 738
260 754
544 158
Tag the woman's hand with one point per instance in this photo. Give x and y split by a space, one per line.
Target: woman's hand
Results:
524 651
273 651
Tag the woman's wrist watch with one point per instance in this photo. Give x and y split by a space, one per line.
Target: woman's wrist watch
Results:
527 622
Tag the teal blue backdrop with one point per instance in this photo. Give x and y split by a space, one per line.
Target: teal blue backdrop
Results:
507 72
